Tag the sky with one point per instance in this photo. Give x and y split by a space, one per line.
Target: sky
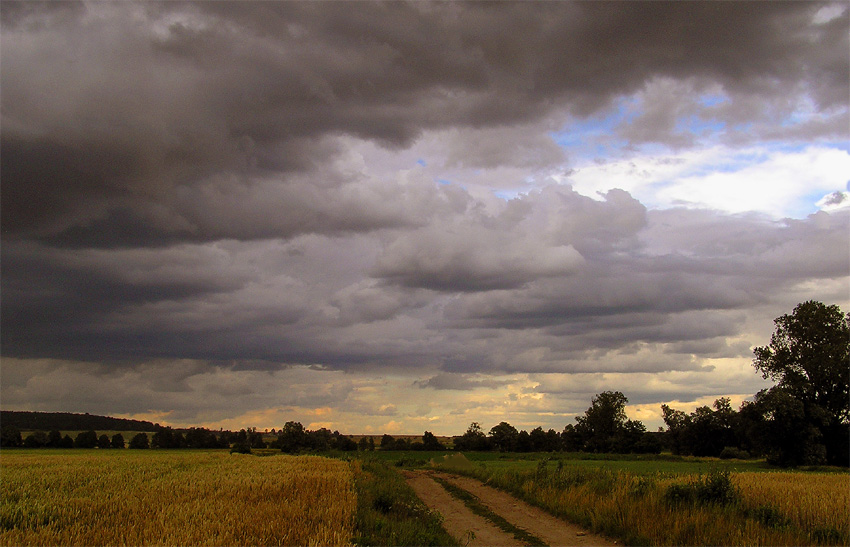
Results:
399 217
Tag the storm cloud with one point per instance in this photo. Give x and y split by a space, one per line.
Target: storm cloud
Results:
471 199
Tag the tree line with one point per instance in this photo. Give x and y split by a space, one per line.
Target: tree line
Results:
67 421
803 420
164 437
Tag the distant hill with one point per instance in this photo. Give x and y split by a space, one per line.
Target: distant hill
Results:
66 421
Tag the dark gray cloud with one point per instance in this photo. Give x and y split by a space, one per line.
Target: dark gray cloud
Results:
283 192
147 117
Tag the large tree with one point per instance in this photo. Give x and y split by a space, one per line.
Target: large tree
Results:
504 437
809 358
603 422
473 439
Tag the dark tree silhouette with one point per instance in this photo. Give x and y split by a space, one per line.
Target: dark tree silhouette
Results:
504 437
808 357
86 439
140 440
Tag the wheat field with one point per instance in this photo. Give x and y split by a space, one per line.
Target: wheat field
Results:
813 501
174 498
781 508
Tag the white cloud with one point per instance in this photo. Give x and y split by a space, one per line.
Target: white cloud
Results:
762 179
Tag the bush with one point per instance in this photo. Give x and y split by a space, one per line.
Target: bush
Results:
767 515
240 448
731 452
714 488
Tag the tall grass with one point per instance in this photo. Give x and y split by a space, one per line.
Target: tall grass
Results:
388 511
719 508
174 498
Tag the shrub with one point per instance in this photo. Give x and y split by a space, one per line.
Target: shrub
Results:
731 452
240 448
714 488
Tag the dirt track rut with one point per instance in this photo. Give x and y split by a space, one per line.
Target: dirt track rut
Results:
458 520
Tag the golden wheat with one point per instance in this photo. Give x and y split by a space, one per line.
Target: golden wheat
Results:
807 509
174 498
812 501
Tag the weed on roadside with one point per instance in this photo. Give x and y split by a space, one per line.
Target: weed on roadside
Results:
389 513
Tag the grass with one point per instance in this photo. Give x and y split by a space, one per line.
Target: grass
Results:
388 511
720 507
640 464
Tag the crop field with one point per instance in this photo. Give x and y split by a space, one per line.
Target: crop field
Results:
195 497
91 497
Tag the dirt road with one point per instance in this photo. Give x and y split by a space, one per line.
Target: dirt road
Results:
458 520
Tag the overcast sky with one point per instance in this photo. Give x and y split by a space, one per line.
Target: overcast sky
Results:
399 217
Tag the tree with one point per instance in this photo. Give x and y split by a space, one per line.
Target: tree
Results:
86 439
363 444
36 439
164 438
342 442
255 438
140 440
292 437
54 439
320 439
570 439
705 432
788 436
198 437
808 357
473 439
504 437
430 442
387 442
603 422
523 442
539 441
103 441
10 436
117 441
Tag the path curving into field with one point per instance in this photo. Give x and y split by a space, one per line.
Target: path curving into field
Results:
458 520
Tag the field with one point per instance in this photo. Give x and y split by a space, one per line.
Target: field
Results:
159 497
91 497
645 502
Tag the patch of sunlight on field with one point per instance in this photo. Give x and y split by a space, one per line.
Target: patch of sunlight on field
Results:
174 498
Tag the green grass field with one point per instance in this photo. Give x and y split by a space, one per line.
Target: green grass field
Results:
640 464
